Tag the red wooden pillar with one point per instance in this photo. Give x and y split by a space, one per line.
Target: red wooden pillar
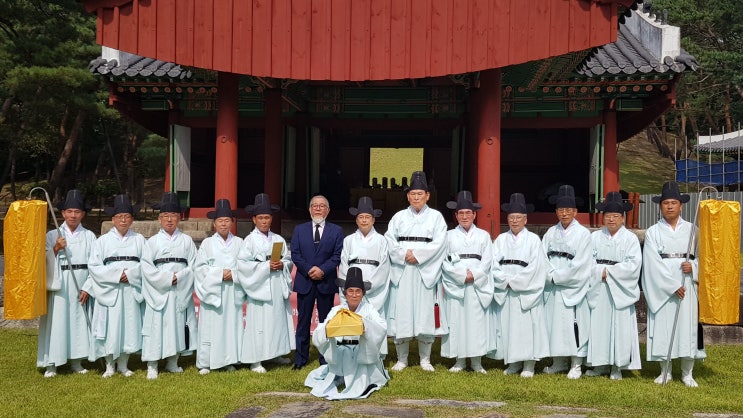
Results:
225 176
488 151
611 163
272 173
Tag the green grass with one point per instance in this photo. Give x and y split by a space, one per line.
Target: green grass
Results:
641 168
26 393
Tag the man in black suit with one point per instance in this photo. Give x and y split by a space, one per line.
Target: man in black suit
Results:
316 252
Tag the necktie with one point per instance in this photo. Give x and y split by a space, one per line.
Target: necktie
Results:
317 233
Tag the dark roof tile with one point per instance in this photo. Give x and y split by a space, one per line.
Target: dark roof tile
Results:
135 65
628 56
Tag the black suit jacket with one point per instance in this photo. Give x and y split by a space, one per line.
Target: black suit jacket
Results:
327 256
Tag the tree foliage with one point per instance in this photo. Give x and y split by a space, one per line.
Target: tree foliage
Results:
710 99
52 108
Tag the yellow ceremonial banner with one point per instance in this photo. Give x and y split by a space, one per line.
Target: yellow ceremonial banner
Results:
719 262
24 238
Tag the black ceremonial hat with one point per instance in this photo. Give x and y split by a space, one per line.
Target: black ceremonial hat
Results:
366 205
517 204
222 209
74 200
262 206
169 203
565 198
122 205
464 201
354 278
671 191
418 181
614 204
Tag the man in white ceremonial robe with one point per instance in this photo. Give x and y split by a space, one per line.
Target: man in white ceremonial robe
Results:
668 280
116 285
352 361
614 345
468 288
267 284
519 268
169 327
568 248
416 239
221 300
64 332
367 250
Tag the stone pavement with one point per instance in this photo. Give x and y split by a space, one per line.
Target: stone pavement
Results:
310 407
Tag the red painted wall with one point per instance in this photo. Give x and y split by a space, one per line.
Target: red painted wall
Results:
353 40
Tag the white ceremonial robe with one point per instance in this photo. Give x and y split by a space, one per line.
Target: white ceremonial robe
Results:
117 315
467 305
414 288
661 278
613 340
565 289
64 332
169 326
269 327
358 367
362 249
221 302
522 333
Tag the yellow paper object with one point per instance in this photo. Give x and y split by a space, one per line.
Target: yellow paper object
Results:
24 238
719 262
345 323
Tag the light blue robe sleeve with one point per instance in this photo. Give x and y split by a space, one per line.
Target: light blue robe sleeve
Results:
53 280
208 279
104 283
186 277
520 279
661 278
156 283
574 275
255 274
621 278
454 269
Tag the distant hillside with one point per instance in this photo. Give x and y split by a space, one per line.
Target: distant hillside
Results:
641 168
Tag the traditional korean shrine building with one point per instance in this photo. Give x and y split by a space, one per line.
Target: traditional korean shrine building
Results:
290 96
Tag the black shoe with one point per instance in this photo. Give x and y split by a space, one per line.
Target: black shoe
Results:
297 367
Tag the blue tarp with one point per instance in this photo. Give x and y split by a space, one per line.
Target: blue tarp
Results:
717 174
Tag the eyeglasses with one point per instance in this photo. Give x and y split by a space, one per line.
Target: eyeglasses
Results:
319 206
612 216
465 213
516 218
123 217
565 210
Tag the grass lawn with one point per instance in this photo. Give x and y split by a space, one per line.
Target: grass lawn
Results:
641 168
26 393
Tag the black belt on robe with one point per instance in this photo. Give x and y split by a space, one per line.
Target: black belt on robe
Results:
517 262
609 262
560 254
74 266
348 342
120 258
419 239
363 261
476 256
170 260
676 255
